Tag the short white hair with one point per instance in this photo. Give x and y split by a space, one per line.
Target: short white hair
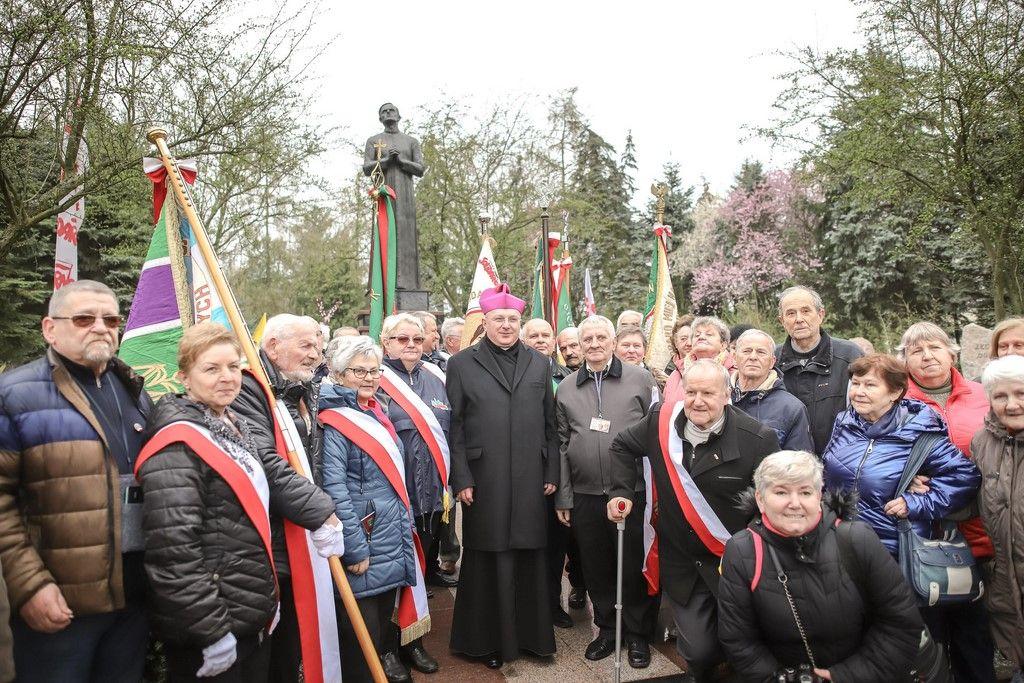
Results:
921 332
595 321
708 364
628 311
819 305
788 467
350 348
60 297
755 333
424 316
449 325
576 331
285 325
392 322
711 321
1005 369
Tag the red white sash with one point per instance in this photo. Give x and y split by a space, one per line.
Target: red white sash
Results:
243 485
312 583
695 507
426 424
434 370
652 567
412 614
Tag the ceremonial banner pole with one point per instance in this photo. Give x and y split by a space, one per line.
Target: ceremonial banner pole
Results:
158 136
547 296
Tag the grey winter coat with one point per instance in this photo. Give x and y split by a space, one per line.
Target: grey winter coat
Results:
773 406
625 399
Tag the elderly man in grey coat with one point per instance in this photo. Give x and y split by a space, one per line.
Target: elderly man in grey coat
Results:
593 405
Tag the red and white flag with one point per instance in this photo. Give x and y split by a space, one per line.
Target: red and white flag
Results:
69 221
589 305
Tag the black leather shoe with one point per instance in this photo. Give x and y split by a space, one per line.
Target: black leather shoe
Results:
419 657
442 581
639 656
561 618
394 670
600 648
493 660
577 598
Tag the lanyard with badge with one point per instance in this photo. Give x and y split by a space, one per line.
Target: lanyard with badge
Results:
599 424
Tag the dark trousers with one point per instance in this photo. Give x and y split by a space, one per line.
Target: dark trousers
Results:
96 647
251 666
285 646
573 564
598 539
964 630
376 611
449 548
697 623
558 544
428 527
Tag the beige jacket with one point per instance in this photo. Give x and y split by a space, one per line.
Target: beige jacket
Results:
1000 458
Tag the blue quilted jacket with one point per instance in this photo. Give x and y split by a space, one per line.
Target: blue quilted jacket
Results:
873 466
357 486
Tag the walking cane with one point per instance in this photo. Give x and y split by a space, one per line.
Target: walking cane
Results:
621 530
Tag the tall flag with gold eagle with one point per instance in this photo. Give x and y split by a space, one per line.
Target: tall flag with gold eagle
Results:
485 276
660 312
176 289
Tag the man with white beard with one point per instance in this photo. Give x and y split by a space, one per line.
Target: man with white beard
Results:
291 353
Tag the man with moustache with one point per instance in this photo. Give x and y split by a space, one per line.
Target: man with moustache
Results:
504 454
290 350
70 509
568 342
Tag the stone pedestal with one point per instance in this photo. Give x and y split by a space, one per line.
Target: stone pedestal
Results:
412 300
974 344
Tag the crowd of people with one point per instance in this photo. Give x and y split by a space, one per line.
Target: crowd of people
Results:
780 500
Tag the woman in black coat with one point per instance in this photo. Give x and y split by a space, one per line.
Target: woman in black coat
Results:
858 630
214 590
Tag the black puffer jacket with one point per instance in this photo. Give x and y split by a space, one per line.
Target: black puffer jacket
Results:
207 567
857 643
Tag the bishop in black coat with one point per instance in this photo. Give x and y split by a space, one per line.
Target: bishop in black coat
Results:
504 446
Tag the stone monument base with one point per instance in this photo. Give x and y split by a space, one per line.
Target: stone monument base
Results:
412 300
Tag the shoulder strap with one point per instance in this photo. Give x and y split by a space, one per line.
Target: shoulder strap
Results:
918 454
849 559
758 559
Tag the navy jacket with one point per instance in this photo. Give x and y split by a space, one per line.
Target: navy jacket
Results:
357 486
775 407
421 477
873 466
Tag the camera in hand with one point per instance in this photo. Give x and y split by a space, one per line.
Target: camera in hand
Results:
805 674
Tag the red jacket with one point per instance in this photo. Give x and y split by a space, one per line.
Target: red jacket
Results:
964 414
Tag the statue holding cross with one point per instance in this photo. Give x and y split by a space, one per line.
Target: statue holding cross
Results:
395 158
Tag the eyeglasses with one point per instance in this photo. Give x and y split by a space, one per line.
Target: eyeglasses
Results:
404 339
86 320
361 373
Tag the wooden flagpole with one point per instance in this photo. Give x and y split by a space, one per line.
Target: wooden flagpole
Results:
158 137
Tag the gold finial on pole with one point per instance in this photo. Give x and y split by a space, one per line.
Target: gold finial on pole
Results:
659 190
176 185
377 174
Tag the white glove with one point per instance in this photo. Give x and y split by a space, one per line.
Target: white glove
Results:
219 657
329 541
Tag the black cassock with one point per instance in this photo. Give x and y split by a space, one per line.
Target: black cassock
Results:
504 444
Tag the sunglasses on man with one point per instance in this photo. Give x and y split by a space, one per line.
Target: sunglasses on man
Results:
86 320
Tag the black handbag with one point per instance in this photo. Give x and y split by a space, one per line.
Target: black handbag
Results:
940 571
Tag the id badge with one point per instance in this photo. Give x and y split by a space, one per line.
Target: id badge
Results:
599 424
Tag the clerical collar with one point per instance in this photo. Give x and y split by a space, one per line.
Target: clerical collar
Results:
510 351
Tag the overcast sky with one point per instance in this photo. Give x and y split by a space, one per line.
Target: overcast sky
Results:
685 77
